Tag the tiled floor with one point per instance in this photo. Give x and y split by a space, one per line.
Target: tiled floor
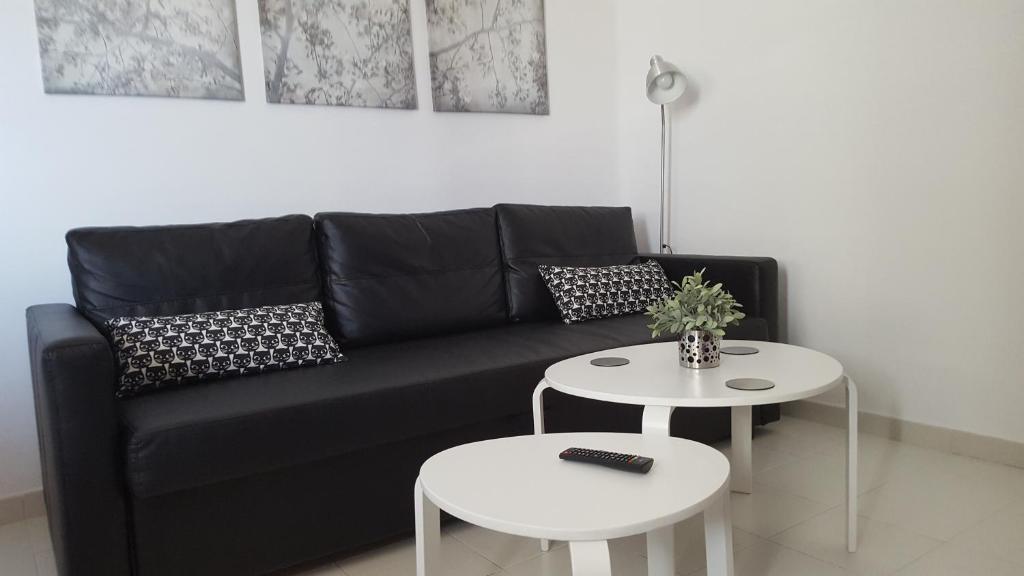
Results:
922 513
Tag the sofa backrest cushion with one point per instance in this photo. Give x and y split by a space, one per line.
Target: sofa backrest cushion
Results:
558 236
397 276
165 270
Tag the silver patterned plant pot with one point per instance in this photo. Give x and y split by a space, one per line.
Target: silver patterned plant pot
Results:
699 349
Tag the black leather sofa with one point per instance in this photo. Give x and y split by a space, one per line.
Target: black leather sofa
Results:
447 328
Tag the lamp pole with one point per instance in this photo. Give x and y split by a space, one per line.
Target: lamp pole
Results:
664 231
665 85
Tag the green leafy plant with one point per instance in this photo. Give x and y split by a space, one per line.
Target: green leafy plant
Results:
696 305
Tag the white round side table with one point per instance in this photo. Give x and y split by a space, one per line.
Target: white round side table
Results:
520 486
655 380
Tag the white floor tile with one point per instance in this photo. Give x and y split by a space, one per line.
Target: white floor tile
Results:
45 564
799 437
935 504
15 535
956 560
882 549
501 549
39 534
399 559
822 477
883 460
554 563
18 561
770 559
16 555
690 544
1001 535
559 563
763 458
1000 480
769 511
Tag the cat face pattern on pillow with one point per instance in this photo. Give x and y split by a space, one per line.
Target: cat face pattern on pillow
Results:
589 293
160 352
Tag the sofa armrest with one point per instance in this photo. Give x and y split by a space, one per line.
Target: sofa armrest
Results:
73 377
754 281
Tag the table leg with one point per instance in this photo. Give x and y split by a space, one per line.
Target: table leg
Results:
538 428
657 420
851 465
590 558
428 534
661 559
740 453
538 406
661 552
718 536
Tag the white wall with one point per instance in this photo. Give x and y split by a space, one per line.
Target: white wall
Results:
69 161
876 148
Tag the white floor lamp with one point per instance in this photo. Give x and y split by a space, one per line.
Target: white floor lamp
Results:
665 85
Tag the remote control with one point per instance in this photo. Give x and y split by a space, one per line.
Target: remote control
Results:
627 462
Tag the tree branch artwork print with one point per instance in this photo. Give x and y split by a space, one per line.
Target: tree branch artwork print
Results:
488 56
174 48
338 52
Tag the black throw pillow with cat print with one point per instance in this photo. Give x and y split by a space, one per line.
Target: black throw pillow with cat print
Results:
160 352
583 294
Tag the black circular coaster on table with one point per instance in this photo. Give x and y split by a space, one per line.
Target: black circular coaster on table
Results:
750 384
609 362
739 350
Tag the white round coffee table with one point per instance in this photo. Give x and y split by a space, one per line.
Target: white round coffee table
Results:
655 380
520 486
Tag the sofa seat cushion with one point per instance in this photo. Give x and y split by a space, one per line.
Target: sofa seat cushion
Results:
199 435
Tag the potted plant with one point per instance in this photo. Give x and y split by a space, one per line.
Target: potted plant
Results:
698 313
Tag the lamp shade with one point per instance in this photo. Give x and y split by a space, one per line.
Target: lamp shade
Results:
665 83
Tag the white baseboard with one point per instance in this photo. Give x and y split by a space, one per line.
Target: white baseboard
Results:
21 507
924 435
